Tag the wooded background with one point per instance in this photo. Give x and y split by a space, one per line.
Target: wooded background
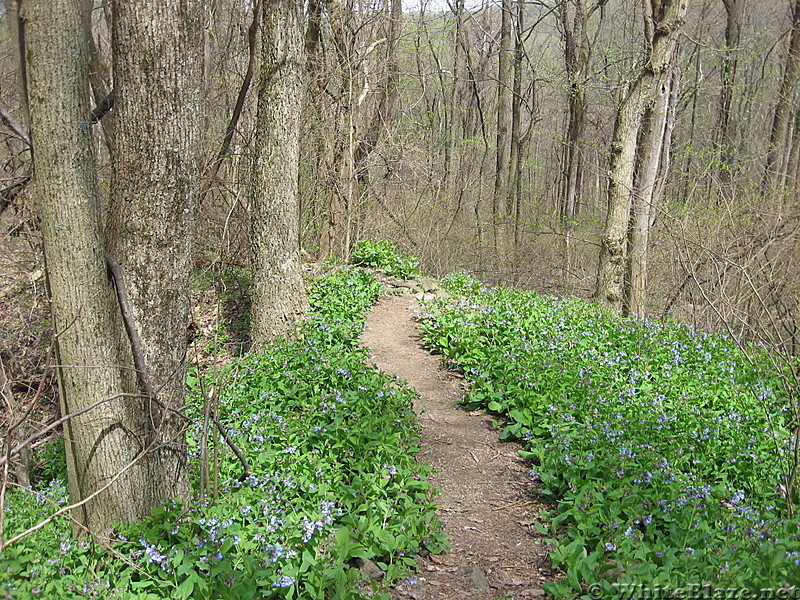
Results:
444 125
642 152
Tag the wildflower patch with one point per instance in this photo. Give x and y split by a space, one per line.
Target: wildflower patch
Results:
330 444
663 450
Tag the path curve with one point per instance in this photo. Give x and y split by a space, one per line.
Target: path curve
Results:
487 501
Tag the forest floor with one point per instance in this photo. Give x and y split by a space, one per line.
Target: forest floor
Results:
488 502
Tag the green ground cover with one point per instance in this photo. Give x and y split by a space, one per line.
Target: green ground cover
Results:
330 444
662 449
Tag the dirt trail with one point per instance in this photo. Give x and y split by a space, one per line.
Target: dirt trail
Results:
487 502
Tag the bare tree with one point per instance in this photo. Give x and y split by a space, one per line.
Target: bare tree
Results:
652 165
157 169
98 444
278 288
779 142
577 61
726 143
664 22
503 149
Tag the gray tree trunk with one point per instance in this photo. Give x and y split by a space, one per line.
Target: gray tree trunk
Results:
335 237
453 112
666 23
515 159
650 167
500 216
278 291
100 443
577 59
726 144
779 144
158 79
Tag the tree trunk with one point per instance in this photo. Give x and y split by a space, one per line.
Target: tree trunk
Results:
778 150
100 80
734 10
794 154
278 290
650 167
688 164
335 235
100 443
575 61
500 215
453 113
515 167
157 169
667 18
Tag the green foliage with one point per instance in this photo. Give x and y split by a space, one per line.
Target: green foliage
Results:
50 462
381 254
661 448
331 446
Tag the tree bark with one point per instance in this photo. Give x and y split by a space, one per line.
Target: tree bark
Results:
500 214
778 150
726 143
650 167
100 80
278 291
157 168
667 18
99 444
516 149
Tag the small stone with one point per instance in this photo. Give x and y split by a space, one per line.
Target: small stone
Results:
478 579
370 569
427 284
533 593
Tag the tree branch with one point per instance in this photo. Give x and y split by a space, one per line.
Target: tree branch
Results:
66 509
133 335
42 432
102 109
18 129
252 38
236 450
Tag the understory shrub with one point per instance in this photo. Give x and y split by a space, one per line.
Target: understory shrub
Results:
381 254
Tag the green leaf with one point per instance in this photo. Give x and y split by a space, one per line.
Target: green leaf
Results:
186 588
